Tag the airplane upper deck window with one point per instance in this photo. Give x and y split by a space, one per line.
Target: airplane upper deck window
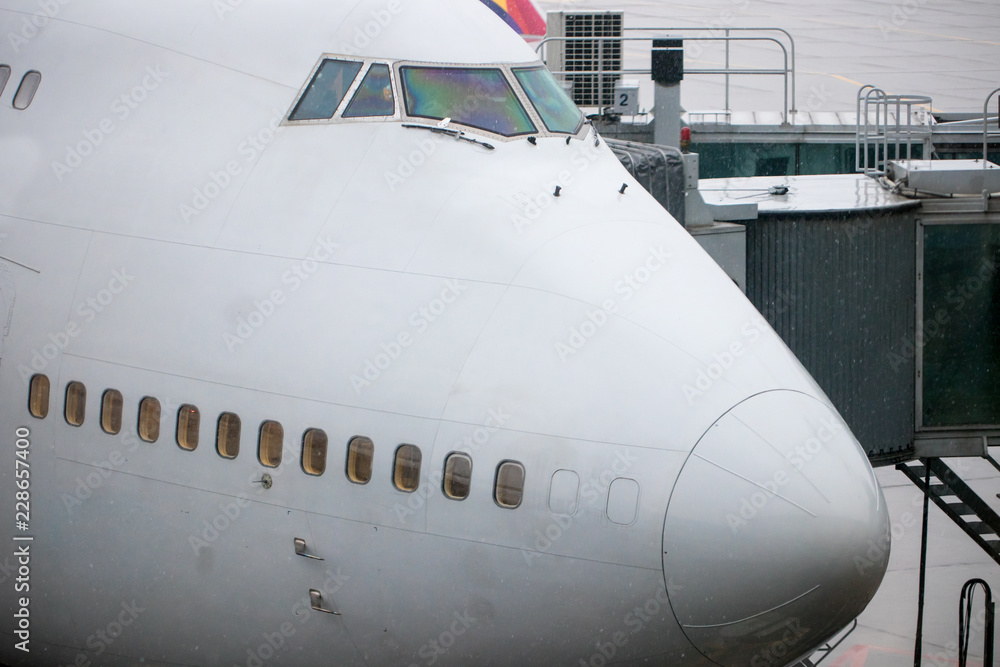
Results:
374 96
38 396
406 469
360 453
509 487
4 76
326 90
111 411
557 110
188 427
76 403
26 91
227 435
314 444
149 419
477 97
269 443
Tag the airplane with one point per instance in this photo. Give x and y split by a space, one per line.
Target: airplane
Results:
521 15
333 333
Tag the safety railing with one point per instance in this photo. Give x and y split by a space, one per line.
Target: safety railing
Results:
885 121
986 120
786 71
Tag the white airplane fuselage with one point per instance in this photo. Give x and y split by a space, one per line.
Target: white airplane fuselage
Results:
690 496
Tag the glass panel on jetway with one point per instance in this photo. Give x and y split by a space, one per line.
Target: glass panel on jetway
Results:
961 325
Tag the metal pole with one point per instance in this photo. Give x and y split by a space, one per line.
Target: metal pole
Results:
918 646
727 72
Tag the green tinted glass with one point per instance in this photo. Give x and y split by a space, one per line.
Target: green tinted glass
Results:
552 103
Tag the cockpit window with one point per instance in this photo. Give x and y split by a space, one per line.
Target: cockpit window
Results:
326 90
374 96
552 103
478 97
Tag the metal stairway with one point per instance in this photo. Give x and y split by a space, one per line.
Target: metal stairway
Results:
957 499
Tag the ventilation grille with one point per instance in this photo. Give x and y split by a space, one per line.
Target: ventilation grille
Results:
589 56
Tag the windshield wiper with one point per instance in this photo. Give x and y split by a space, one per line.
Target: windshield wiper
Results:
450 131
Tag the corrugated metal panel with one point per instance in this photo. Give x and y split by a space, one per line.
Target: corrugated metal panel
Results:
659 169
838 287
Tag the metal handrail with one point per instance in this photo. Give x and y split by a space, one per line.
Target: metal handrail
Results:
727 71
880 135
985 126
791 43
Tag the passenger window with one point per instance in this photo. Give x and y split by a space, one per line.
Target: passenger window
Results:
360 452
38 396
4 77
111 411
406 468
623 501
269 444
188 427
149 419
509 487
227 437
76 403
26 91
326 90
314 445
477 97
457 476
564 492
374 95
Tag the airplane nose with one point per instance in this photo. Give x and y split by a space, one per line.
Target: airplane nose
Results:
776 534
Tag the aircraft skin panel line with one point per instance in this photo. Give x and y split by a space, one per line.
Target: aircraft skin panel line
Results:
521 417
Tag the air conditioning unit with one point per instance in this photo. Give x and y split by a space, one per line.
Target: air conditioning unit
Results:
587 54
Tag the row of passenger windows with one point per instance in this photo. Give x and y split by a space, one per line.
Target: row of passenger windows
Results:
25 91
457 479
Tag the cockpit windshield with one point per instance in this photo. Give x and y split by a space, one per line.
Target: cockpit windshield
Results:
557 110
477 97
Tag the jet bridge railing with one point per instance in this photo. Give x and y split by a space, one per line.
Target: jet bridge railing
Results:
885 121
786 71
986 120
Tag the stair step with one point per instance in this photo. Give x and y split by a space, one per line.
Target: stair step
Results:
994 544
961 509
942 490
981 527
